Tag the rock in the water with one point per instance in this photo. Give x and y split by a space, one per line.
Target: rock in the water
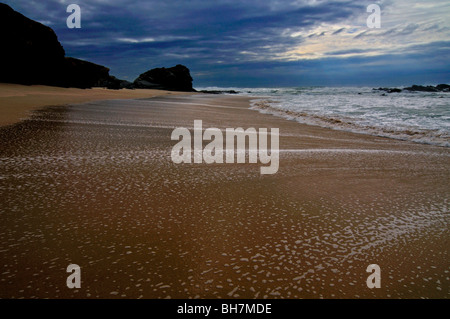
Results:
219 91
389 90
429 88
420 88
177 78
443 87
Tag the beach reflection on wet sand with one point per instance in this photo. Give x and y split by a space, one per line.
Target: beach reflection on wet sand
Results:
94 185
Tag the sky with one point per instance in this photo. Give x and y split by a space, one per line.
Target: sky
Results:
259 43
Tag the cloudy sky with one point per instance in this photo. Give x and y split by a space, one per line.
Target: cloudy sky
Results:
251 43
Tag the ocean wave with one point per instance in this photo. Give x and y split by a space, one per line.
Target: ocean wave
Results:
275 107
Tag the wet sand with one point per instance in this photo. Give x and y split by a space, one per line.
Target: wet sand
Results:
94 185
17 101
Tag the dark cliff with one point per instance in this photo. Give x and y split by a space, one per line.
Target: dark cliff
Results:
32 54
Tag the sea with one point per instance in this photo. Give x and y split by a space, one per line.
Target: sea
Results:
422 117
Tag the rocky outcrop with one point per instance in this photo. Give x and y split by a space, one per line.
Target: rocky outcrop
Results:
219 91
443 87
429 88
84 74
389 90
32 54
177 78
418 88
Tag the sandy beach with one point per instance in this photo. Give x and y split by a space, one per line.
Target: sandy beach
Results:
93 184
17 101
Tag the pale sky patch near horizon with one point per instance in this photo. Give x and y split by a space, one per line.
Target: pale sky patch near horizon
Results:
404 25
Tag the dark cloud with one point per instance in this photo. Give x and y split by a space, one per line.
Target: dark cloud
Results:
223 42
350 51
338 31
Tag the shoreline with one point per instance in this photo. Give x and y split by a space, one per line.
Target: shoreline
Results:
18 101
260 105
